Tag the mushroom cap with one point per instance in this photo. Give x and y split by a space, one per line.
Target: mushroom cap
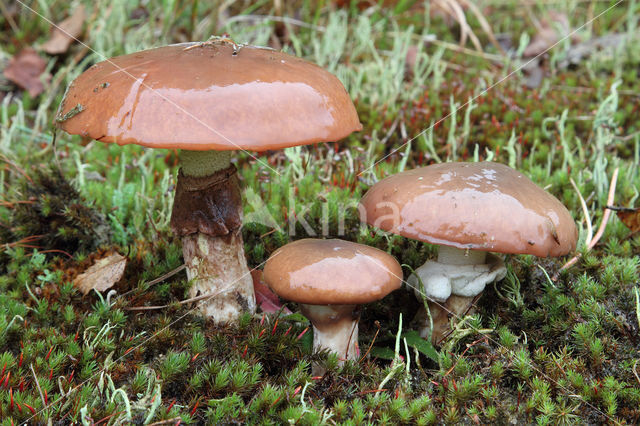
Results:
200 96
480 206
331 272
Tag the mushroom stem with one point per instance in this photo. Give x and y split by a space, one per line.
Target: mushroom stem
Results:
207 214
457 272
441 315
204 163
335 327
455 256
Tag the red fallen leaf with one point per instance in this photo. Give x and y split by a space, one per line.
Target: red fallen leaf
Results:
265 298
25 70
65 32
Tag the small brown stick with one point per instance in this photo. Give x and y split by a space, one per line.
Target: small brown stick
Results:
24 242
484 24
104 419
165 422
167 275
16 167
372 391
635 372
268 233
11 204
482 339
182 302
372 342
161 278
7 16
35 377
603 225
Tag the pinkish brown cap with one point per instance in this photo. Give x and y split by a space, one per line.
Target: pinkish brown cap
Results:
331 272
203 97
481 206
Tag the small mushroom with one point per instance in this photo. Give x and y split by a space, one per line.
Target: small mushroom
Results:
468 209
329 278
208 99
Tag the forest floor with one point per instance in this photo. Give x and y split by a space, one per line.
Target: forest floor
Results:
550 88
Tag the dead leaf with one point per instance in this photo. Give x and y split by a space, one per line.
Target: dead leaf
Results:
535 73
265 298
629 216
549 32
102 275
582 50
65 32
25 70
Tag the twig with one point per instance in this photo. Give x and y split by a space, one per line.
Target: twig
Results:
346 352
460 49
603 225
454 9
104 419
7 15
283 19
161 278
372 342
16 167
35 377
469 346
635 372
165 422
268 233
182 302
167 275
484 24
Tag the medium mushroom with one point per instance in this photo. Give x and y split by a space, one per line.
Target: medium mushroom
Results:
329 278
208 99
467 209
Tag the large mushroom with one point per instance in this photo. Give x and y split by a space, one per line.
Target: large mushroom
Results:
208 99
329 279
468 210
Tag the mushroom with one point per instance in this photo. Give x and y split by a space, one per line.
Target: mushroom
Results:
329 278
208 99
467 209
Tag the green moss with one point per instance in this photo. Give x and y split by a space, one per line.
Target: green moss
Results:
545 348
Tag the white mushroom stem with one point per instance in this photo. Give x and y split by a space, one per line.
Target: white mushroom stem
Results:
216 264
458 272
335 327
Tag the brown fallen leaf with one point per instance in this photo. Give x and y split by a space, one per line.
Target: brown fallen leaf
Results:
102 275
64 33
549 32
25 70
629 216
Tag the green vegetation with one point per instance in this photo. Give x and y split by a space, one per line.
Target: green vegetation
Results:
537 350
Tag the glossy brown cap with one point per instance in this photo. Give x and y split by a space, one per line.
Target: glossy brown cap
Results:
482 206
331 272
203 97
